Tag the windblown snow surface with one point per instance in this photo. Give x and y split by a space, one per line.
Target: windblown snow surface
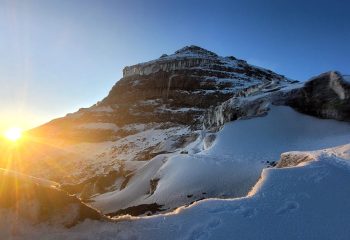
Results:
232 166
305 201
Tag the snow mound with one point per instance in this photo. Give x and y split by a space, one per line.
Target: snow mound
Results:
231 166
309 201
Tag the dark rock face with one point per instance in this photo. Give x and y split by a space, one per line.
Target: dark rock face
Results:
143 209
39 201
325 96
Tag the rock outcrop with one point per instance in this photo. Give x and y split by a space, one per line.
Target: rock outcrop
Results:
325 96
37 201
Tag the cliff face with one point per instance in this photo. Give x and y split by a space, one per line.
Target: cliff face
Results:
187 57
191 78
166 66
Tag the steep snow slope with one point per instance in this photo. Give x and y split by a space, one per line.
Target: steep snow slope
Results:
307 201
231 166
304 202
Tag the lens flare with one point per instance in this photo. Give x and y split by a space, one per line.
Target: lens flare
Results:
13 134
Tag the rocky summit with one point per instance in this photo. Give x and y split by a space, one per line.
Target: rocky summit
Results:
175 89
117 155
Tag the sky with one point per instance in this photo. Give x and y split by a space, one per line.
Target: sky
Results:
60 55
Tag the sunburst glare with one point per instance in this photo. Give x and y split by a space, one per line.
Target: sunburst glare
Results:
13 134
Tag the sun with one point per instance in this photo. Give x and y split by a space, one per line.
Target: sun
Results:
13 134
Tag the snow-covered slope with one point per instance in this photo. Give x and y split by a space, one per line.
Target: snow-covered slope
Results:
307 201
231 166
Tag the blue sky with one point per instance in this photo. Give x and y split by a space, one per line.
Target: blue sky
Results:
58 56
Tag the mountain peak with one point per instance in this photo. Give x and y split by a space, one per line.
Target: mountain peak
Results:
193 49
